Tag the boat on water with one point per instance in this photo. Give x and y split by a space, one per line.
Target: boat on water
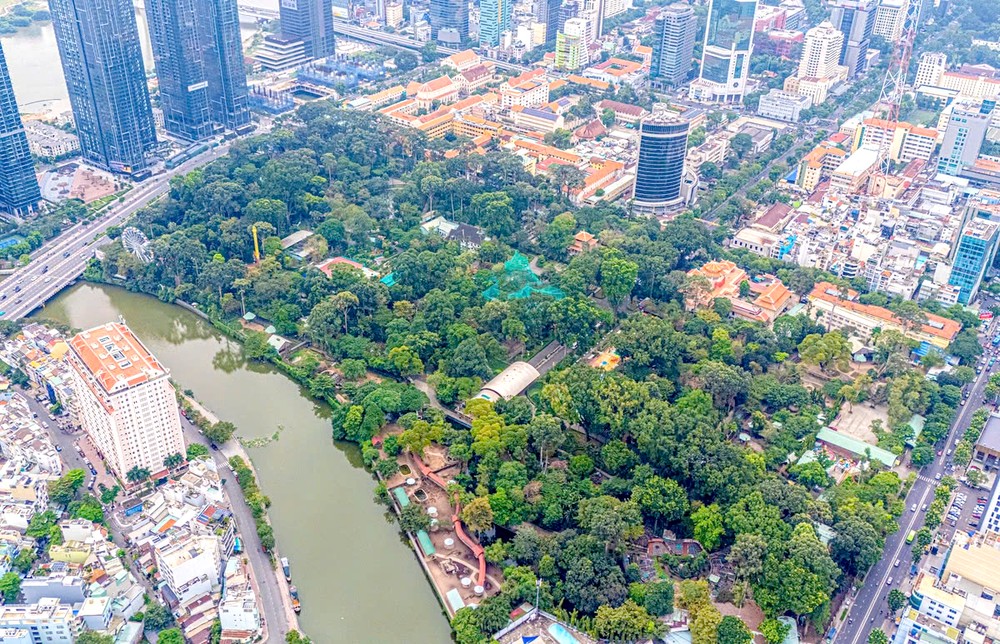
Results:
296 605
285 568
293 591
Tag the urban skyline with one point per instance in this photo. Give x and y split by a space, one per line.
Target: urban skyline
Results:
19 191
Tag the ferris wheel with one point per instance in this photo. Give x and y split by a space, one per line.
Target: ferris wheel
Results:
136 243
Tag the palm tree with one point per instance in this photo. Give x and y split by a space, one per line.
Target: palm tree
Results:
173 461
137 474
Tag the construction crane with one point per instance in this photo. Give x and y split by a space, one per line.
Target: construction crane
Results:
893 89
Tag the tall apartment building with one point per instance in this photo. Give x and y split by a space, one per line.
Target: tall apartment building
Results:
572 45
19 192
547 13
673 44
856 20
310 21
199 66
963 138
662 147
819 67
725 59
973 255
102 62
930 69
494 19
125 401
450 21
890 16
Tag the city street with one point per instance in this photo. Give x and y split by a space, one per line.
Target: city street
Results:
63 259
869 608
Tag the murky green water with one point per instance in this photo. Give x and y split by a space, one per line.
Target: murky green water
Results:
357 580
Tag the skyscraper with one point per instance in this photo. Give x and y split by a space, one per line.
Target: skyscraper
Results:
494 19
547 13
856 20
199 65
18 185
125 401
821 51
450 21
974 255
725 59
963 138
572 45
310 21
102 62
662 148
673 44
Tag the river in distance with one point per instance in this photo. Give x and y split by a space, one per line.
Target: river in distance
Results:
359 582
36 72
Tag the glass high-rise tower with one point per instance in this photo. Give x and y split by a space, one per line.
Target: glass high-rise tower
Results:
102 62
662 147
450 21
673 47
18 186
725 58
199 65
856 20
547 12
310 21
494 19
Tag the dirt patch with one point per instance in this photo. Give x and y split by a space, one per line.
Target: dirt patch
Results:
856 421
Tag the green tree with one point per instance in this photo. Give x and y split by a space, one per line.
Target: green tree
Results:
626 623
610 520
774 631
10 587
196 450
826 350
660 499
732 630
878 636
220 432
708 526
413 518
137 475
705 627
170 636
659 599
173 461
93 637
897 600
157 617
24 560
478 515
617 277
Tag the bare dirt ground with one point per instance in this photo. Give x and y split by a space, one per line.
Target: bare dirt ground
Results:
857 421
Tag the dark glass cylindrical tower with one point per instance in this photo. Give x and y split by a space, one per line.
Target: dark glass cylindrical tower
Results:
662 147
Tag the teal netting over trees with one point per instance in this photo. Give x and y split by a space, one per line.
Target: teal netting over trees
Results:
517 281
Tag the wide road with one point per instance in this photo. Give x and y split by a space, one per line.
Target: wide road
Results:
63 259
870 607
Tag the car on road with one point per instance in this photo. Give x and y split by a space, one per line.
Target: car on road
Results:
888 582
973 524
66 254
58 448
17 289
923 508
913 508
896 565
937 477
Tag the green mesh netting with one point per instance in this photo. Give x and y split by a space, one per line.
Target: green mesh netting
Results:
518 282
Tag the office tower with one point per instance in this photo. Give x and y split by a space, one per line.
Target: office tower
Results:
547 13
974 255
889 18
594 11
310 21
572 45
821 52
450 21
963 138
673 44
199 66
18 186
125 401
494 19
930 69
570 9
856 20
725 59
662 147
102 62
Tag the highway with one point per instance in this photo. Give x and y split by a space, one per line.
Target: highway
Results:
383 38
870 608
62 259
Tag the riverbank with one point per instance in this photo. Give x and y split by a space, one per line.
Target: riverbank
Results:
232 449
349 564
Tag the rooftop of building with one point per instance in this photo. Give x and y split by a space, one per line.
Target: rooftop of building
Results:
935 324
115 357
